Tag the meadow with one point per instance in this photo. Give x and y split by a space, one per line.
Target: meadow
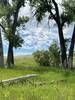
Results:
50 84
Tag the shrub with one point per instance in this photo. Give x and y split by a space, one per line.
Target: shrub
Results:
41 57
51 57
54 55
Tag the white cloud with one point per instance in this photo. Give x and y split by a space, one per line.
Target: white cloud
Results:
39 36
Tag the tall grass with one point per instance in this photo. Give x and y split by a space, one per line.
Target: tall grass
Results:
31 89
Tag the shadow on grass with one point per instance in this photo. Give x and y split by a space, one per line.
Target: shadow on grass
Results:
39 69
42 69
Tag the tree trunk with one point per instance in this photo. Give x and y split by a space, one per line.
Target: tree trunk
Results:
1 51
70 57
57 18
10 57
62 46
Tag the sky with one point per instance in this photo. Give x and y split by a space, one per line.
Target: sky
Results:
37 36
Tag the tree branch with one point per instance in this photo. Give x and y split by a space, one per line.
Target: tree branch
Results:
49 10
20 3
2 28
57 11
63 23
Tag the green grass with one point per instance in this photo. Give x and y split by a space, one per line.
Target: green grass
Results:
25 61
64 90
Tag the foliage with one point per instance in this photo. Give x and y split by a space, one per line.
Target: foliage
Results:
7 21
69 7
48 7
51 57
54 55
22 20
41 57
40 8
15 40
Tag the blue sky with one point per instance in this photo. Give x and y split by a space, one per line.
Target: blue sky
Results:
37 36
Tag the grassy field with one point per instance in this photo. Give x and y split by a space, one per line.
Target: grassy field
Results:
52 83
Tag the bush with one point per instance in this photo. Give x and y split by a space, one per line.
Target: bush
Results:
42 57
54 55
51 57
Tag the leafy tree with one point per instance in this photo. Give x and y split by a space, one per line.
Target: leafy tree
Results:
2 13
51 7
1 51
70 11
18 4
12 22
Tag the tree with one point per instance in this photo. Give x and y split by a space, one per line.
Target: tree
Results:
70 10
2 13
51 7
12 22
1 51
10 57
